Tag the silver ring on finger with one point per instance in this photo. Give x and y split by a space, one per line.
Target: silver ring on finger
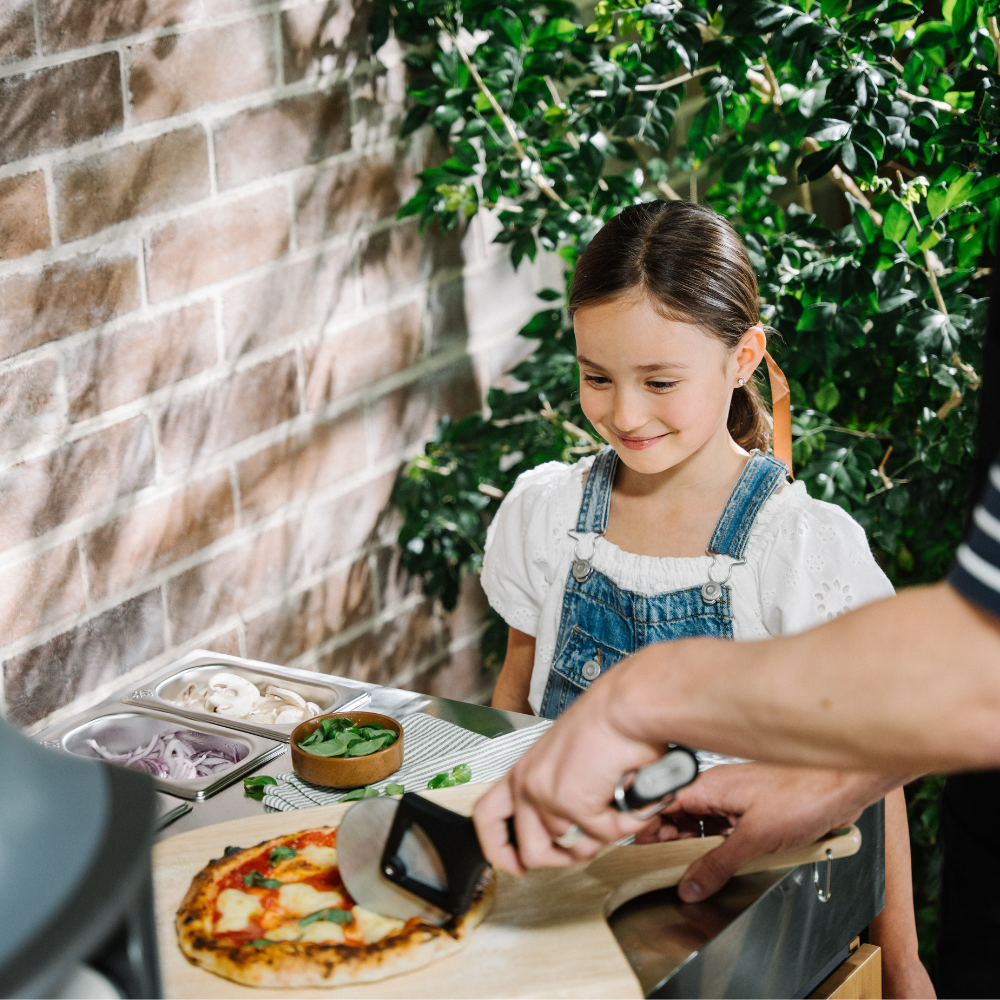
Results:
570 838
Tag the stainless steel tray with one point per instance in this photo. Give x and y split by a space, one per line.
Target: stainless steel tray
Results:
121 731
168 809
159 689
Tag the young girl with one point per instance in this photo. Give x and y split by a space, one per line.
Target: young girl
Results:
683 525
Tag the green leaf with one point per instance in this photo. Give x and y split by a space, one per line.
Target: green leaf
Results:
365 747
458 775
959 190
255 878
461 774
629 125
558 30
332 915
896 221
930 34
282 853
864 224
261 943
937 202
827 397
394 789
830 130
254 787
360 793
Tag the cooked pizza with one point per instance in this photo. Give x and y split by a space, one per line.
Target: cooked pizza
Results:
278 914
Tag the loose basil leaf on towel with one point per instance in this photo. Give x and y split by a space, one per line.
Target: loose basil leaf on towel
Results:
458 775
393 789
360 793
254 787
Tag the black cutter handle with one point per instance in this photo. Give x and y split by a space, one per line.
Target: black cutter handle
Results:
455 838
654 782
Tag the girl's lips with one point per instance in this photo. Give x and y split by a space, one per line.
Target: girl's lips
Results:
638 444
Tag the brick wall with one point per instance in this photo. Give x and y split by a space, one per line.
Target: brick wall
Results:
217 346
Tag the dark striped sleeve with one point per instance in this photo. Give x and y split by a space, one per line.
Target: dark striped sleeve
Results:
976 573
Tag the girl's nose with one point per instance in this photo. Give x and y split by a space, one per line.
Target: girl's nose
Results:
629 412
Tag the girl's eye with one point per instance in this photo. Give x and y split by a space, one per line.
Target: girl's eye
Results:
661 386
597 380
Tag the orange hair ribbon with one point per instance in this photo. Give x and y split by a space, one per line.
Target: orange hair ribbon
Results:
781 413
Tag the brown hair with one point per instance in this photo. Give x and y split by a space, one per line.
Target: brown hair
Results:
694 266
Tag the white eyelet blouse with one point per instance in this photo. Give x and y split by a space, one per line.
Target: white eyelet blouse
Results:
806 562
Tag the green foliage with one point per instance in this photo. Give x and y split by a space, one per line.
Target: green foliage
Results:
556 126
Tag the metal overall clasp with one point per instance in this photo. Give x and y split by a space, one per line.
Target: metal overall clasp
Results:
711 592
582 567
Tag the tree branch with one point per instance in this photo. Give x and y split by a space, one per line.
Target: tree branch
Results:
539 179
674 81
844 181
940 105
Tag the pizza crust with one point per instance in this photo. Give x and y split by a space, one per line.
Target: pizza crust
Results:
309 964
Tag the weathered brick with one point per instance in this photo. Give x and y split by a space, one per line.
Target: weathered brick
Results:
96 652
379 103
67 24
320 37
179 73
24 215
133 180
381 655
307 620
59 107
409 414
207 594
195 426
391 260
64 298
118 367
216 243
260 142
153 536
28 404
351 359
79 477
228 642
393 583
40 590
341 527
290 299
17 30
302 465
459 676
345 196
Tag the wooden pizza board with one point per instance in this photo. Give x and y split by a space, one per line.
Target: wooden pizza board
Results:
547 935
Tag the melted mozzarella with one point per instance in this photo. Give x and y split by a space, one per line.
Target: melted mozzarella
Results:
288 931
321 857
323 930
302 899
236 908
373 926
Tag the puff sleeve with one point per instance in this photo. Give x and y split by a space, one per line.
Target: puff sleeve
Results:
522 551
819 567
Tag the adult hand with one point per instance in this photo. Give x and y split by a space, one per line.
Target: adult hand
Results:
567 778
772 808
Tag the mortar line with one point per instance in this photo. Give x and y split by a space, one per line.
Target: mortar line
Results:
241 637
213 173
167 636
50 204
37 25
81 550
125 70
143 277
279 49
234 485
300 378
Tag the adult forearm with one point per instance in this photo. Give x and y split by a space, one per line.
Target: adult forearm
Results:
909 684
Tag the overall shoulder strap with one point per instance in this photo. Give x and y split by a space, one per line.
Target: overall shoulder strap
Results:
761 476
597 493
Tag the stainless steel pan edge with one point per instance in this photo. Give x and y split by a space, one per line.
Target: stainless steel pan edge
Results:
356 694
261 749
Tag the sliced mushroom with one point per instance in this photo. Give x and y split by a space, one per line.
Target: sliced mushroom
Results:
232 695
286 695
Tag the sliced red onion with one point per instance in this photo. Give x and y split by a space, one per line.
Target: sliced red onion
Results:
174 755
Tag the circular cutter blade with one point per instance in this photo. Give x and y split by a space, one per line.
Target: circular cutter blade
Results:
361 839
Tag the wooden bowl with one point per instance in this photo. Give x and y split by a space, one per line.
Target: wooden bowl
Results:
347 772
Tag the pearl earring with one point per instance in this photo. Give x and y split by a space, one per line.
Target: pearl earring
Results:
741 382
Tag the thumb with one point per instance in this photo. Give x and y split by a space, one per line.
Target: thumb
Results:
710 873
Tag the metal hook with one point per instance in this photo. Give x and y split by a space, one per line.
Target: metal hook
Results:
824 897
712 591
582 567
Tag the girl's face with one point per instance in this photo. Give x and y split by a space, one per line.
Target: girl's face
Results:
656 389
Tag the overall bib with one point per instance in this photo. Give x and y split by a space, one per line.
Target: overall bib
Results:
601 623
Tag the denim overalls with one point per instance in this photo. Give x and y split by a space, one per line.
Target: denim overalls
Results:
602 623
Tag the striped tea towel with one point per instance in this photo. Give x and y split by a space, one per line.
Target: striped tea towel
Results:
430 746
